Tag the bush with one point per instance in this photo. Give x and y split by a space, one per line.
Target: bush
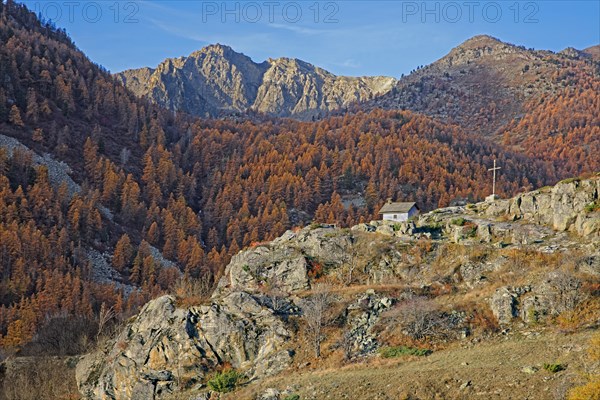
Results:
554 368
292 397
590 390
459 221
397 351
593 206
38 378
226 381
585 314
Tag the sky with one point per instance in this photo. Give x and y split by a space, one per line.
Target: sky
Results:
346 37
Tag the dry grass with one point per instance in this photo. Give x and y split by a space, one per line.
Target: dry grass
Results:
587 313
494 370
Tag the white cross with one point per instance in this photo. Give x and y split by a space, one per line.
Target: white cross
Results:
494 184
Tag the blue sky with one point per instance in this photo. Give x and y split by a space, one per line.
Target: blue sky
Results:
346 37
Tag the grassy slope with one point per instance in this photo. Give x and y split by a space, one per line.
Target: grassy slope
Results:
493 370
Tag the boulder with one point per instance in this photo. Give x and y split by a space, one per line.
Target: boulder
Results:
283 266
166 348
361 316
504 303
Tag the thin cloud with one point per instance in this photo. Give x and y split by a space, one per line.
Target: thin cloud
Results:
300 29
349 63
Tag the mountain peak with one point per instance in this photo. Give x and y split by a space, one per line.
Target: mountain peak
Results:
217 49
481 41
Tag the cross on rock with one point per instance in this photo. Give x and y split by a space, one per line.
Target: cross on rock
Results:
494 181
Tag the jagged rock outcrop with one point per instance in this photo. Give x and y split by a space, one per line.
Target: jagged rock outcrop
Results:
567 206
167 348
286 261
217 81
556 293
362 315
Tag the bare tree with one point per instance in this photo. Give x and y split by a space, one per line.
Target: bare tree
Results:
124 156
193 291
419 317
352 262
104 317
276 294
315 309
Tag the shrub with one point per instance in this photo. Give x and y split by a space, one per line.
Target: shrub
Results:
570 180
397 351
594 350
590 390
484 320
585 314
62 336
593 206
315 270
554 368
226 381
458 221
38 378
292 397
472 232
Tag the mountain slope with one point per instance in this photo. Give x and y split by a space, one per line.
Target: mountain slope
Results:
463 273
217 81
151 184
484 83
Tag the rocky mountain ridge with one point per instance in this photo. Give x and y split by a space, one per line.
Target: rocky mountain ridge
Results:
484 83
248 325
217 81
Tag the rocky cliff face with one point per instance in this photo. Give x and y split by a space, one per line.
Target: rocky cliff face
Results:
568 206
251 320
218 81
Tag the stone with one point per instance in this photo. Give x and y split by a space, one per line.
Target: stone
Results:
270 394
530 369
504 304
465 384
386 230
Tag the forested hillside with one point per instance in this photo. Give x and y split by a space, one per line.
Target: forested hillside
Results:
156 185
